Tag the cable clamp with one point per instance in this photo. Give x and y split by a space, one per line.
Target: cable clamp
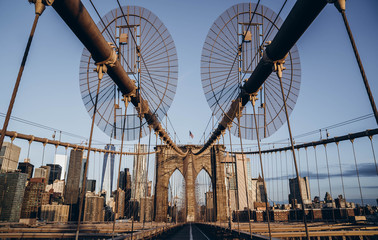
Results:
102 67
40 5
278 66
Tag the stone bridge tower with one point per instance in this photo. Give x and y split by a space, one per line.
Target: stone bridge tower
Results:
167 161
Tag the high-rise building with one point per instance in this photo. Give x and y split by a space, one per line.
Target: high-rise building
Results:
91 185
238 178
62 161
55 172
26 167
9 155
294 190
72 191
82 173
108 172
33 197
12 188
258 189
139 173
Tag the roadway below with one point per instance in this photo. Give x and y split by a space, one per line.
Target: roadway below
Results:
190 232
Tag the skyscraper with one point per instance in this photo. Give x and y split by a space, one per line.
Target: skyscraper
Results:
71 193
26 167
12 188
238 173
139 173
108 172
55 172
294 190
62 161
9 155
33 197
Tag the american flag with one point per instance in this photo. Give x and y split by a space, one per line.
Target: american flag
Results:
191 134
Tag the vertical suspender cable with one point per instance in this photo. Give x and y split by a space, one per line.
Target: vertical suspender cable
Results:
372 149
245 176
341 171
308 169
136 177
317 170
279 74
146 187
234 178
119 167
329 179
358 175
83 190
262 168
20 71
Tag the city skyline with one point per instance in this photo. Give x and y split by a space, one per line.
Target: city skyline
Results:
350 100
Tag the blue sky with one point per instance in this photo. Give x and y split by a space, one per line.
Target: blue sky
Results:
331 89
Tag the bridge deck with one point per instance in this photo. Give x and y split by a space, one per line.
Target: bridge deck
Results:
197 231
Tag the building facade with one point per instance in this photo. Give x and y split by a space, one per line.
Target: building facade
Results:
55 172
9 155
33 197
108 172
12 189
72 190
26 167
294 195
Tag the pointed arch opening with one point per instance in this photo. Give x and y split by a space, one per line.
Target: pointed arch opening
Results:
205 210
176 211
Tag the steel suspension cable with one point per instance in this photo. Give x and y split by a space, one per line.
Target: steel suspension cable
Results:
262 168
358 175
317 170
372 149
146 186
329 179
119 167
18 80
279 74
341 171
83 190
136 177
234 179
245 176
308 169
359 62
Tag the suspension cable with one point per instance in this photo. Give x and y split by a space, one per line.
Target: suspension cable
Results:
146 186
359 62
234 178
372 149
245 176
341 171
358 175
279 69
39 7
83 190
136 177
329 179
261 166
317 170
126 100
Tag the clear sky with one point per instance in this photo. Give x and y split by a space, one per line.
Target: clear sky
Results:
331 89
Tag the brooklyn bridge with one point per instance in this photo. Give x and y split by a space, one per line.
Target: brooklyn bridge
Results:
106 133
